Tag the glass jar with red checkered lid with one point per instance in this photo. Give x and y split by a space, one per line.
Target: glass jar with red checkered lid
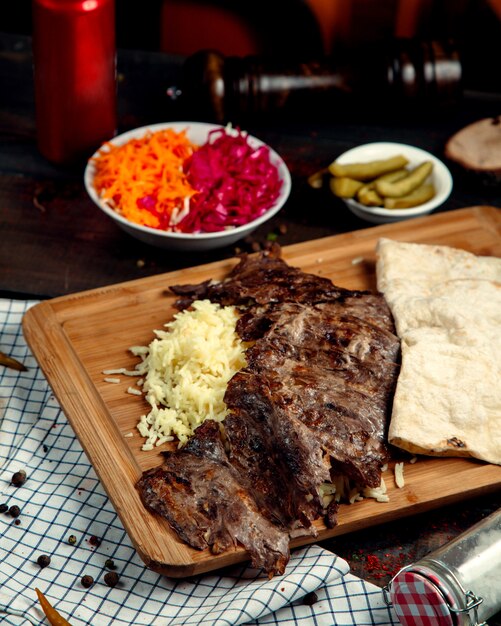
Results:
457 585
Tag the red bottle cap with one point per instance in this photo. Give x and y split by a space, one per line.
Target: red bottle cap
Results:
419 602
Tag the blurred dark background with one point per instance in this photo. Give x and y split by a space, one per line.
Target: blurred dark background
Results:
304 28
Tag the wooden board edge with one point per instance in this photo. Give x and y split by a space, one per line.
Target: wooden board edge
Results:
487 216
490 216
303 253
411 511
44 334
239 555
468 471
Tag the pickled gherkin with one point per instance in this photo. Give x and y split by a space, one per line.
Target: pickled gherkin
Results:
386 183
419 196
369 170
344 187
405 186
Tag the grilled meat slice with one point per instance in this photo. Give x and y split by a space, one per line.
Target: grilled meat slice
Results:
261 279
327 325
329 380
313 401
276 458
201 495
321 412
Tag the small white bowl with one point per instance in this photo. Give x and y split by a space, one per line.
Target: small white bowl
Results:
197 132
441 178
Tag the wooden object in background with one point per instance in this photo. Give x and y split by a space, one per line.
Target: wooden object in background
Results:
477 149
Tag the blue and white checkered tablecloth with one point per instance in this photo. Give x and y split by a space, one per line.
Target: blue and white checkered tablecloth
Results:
63 496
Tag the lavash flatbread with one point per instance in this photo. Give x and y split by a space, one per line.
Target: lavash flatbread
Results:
447 308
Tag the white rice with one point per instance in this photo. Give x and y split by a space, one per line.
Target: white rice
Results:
399 475
341 489
378 493
185 371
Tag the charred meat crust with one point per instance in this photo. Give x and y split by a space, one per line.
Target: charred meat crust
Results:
261 279
333 374
200 494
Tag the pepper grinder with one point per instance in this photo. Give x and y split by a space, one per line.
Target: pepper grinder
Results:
74 54
403 76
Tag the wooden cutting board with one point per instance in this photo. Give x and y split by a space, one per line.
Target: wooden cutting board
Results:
74 338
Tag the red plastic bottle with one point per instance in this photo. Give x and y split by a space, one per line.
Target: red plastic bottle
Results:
74 54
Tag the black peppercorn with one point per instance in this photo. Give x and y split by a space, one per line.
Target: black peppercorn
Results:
18 478
4 508
87 581
110 564
14 511
111 579
43 560
72 540
310 598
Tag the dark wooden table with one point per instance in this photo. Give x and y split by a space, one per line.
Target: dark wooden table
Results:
54 241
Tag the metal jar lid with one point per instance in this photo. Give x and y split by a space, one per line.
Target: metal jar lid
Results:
419 602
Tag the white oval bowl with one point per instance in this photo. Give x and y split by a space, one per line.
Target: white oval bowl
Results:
197 132
440 177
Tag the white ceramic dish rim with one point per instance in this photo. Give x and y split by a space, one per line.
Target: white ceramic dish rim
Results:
118 140
412 152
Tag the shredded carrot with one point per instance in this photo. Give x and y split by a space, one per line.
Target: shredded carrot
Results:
55 618
143 179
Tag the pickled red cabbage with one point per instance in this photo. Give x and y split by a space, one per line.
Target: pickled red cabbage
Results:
236 183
